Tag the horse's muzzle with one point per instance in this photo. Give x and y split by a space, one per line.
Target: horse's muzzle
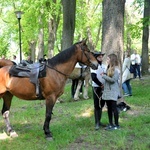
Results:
94 66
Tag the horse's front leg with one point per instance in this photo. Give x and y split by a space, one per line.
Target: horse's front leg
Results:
7 98
46 127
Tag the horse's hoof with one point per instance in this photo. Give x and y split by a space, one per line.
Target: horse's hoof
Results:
13 134
86 97
76 98
49 138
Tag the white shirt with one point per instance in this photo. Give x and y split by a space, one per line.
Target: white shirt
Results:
101 69
135 59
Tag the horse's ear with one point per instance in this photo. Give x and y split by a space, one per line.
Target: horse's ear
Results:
84 41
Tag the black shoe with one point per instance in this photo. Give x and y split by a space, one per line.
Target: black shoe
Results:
109 127
112 127
97 127
116 127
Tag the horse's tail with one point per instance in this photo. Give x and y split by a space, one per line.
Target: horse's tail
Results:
6 62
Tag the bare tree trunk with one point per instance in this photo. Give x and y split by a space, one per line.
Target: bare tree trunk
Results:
146 19
32 49
53 23
113 28
69 8
128 34
91 43
51 37
99 32
40 38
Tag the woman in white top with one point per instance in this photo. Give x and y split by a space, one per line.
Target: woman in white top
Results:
126 76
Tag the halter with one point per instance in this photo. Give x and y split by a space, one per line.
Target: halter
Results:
86 55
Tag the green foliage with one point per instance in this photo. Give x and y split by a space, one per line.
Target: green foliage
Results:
135 29
88 18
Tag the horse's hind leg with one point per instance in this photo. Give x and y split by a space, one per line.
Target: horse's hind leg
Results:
7 98
86 85
76 95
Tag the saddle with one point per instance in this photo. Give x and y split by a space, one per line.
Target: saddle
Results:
33 71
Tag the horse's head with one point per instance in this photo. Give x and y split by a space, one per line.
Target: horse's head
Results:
85 56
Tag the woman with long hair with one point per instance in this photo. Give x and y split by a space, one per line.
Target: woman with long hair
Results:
111 91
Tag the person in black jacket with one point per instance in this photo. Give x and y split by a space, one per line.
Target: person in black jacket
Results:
97 87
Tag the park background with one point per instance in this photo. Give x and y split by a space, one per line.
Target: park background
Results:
44 31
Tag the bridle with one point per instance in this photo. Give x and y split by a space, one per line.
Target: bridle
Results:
86 54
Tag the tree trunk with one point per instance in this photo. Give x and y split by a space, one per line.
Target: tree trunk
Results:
32 49
69 8
146 19
113 28
53 23
40 39
51 37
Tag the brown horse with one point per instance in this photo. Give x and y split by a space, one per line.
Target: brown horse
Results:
58 70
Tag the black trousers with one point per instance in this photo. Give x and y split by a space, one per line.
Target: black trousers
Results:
137 71
98 102
112 112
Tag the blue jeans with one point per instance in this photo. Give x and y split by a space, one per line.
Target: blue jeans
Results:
127 87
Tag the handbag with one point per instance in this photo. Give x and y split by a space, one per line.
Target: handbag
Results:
131 69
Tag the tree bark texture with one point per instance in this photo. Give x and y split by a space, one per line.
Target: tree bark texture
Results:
113 28
113 31
145 37
32 49
69 8
52 37
53 23
40 39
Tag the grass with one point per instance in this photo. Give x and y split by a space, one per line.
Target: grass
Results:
72 124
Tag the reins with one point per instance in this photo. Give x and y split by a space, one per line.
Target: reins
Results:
57 70
99 97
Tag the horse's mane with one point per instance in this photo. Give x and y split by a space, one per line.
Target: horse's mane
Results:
63 56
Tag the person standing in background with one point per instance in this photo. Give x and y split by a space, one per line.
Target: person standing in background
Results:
97 87
136 62
15 59
29 60
126 75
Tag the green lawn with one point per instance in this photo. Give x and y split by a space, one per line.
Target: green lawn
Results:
72 124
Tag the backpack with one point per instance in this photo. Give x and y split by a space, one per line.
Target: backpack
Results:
131 69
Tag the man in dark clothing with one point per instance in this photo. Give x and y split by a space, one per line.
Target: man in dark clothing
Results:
97 84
